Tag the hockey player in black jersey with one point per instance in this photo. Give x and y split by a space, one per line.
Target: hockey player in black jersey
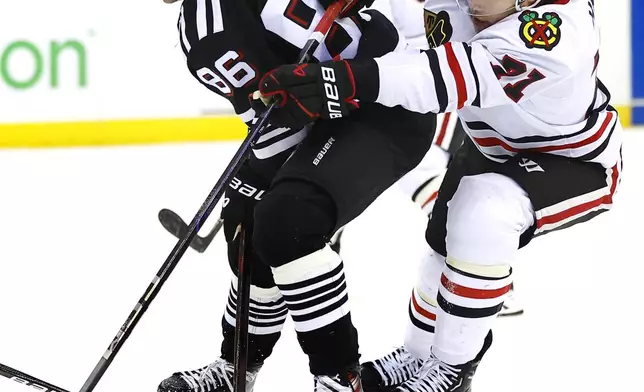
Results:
291 200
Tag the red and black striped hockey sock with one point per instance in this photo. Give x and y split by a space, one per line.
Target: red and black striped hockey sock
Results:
468 304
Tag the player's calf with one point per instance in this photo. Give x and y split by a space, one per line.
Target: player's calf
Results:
267 315
315 291
292 225
486 217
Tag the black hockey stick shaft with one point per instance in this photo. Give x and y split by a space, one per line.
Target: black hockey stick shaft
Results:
243 313
175 225
27 380
168 266
204 211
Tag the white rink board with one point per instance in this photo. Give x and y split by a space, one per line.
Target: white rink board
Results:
134 67
81 241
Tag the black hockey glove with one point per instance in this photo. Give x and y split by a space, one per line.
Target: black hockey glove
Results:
309 92
242 194
351 10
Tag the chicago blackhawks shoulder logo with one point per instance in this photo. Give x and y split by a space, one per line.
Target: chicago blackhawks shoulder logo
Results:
438 28
540 32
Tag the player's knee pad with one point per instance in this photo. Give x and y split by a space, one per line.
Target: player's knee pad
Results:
485 219
293 220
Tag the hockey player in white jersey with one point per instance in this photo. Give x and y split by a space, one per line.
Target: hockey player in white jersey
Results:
422 183
543 154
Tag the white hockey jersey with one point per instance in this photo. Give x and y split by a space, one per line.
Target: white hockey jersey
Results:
526 83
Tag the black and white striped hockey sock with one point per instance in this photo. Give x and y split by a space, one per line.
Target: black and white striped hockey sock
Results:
268 313
268 310
315 291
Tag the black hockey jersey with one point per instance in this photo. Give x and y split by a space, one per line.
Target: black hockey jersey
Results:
231 44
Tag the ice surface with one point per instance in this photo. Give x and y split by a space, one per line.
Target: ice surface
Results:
81 242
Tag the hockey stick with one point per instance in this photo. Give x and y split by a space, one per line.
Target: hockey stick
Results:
176 226
243 313
27 380
206 208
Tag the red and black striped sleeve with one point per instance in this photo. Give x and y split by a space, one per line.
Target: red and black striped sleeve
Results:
439 80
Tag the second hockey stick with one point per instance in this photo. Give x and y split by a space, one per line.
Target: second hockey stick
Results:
206 208
243 313
176 226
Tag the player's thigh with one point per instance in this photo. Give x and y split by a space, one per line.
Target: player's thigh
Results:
354 160
563 191
467 161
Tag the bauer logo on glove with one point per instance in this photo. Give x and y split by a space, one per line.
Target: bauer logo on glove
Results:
309 92
331 90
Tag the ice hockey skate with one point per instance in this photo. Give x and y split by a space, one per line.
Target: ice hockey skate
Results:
216 377
437 376
386 373
350 382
